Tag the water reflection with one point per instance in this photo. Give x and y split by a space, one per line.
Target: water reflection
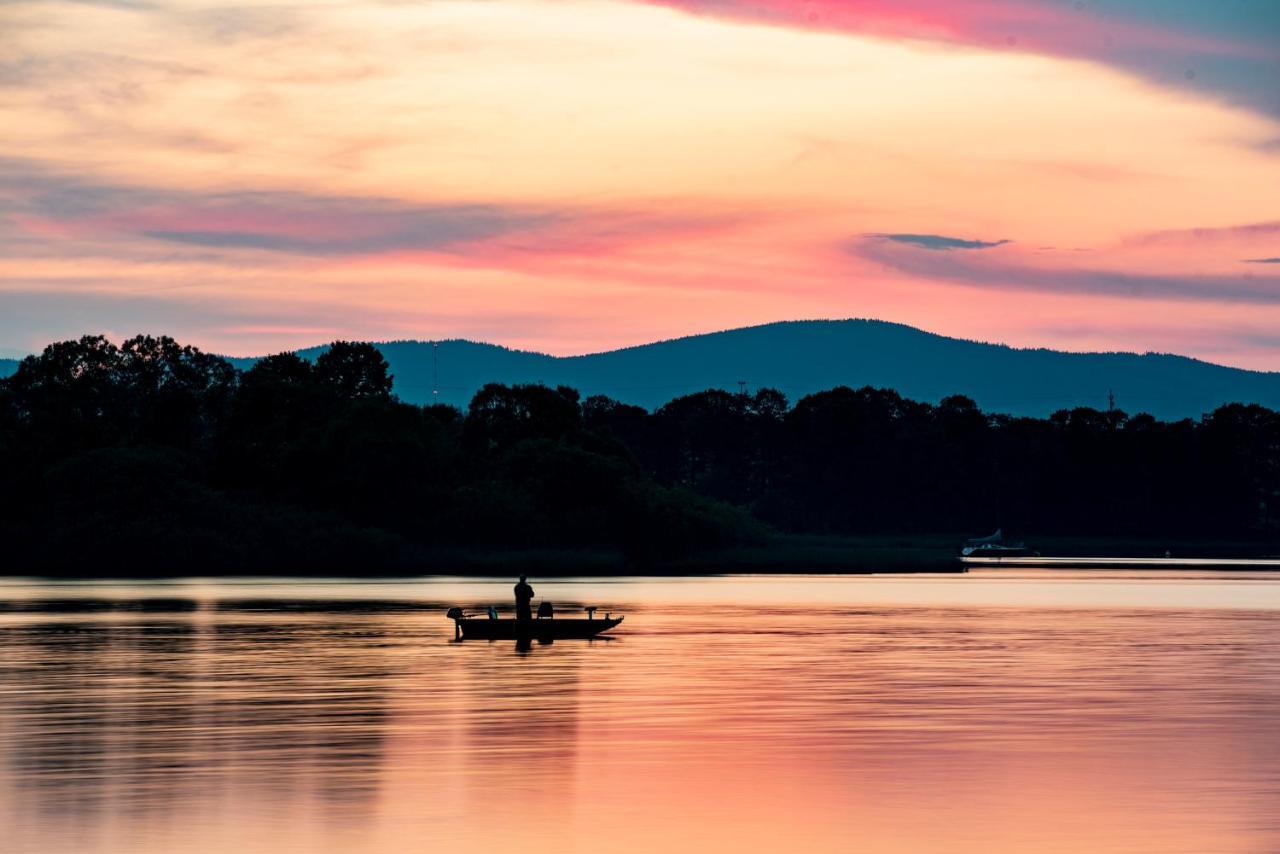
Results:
88 605
131 720
958 715
520 737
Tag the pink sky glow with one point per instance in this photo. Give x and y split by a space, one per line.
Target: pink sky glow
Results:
577 175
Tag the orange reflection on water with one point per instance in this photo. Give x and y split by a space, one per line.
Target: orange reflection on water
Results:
957 714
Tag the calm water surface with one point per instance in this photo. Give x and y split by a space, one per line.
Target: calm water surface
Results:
997 711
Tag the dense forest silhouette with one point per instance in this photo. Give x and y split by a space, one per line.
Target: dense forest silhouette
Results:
155 458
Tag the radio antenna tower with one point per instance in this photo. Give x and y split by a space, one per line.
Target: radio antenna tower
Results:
435 372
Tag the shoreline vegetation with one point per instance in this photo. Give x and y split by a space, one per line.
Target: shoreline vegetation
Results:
781 554
799 554
153 459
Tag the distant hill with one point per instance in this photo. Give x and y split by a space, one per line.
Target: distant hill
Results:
7 367
802 357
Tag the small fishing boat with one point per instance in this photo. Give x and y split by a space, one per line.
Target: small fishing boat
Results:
478 627
994 546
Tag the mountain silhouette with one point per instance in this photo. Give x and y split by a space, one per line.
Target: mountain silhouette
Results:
802 357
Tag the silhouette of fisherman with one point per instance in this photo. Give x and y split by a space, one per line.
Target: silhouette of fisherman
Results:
524 598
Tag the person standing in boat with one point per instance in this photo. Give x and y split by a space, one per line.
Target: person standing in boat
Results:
524 600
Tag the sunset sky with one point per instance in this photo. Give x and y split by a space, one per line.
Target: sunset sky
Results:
575 175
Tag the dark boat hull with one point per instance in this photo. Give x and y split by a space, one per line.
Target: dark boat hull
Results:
473 628
997 551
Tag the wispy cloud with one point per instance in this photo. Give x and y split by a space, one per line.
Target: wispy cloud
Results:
1250 243
1230 233
1013 276
50 211
236 23
54 205
939 242
324 225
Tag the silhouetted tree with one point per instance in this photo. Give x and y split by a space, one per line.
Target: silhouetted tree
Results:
69 396
500 416
354 370
177 394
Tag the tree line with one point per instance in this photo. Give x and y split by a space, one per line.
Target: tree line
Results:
154 457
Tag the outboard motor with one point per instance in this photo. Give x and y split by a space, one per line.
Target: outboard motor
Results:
456 615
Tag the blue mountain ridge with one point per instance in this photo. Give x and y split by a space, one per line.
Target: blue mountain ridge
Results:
802 357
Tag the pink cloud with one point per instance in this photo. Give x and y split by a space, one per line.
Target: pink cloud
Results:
1062 27
1230 53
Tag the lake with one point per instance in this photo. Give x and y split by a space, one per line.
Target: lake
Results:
1001 710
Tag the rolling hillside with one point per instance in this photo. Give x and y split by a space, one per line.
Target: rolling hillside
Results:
802 357
806 356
